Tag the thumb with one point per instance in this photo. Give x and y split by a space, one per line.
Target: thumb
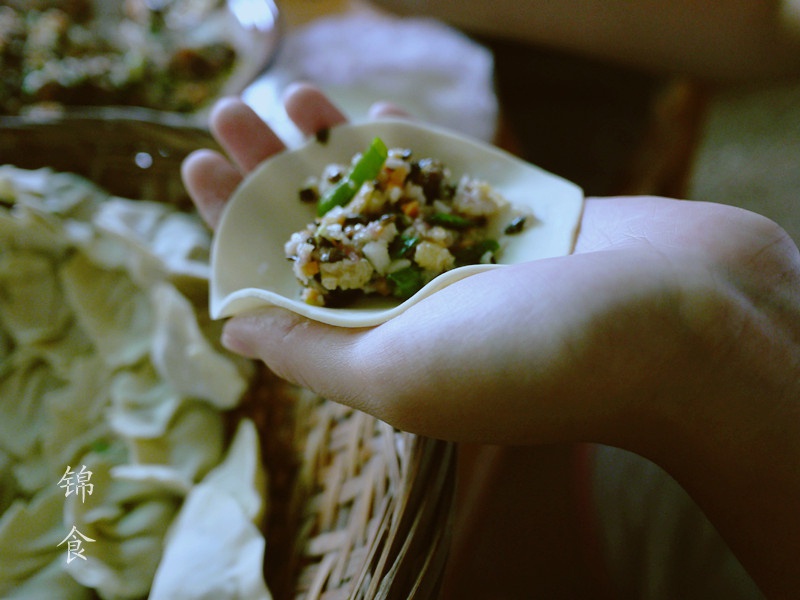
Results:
325 359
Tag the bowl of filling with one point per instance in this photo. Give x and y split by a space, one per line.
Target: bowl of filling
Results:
366 219
174 56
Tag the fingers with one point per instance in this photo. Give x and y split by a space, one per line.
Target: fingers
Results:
375 370
386 109
506 356
246 138
310 109
407 372
310 354
210 179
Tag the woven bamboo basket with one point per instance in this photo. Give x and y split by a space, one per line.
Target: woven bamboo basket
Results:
357 509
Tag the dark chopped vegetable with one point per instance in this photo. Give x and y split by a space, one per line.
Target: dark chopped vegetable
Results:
402 246
308 194
323 135
472 254
516 226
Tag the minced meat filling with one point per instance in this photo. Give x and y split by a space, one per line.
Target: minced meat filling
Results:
393 231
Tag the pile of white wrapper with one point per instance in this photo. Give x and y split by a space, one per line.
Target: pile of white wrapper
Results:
110 367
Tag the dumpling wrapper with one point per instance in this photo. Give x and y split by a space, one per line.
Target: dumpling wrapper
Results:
8 485
53 581
28 540
6 350
192 445
160 241
57 384
183 245
214 550
63 352
142 404
132 222
74 415
248 265
128 521
21 404
116 315
33 308
183 356
50 192
159 477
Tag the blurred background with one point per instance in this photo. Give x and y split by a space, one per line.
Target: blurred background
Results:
120 92
611 128
616 129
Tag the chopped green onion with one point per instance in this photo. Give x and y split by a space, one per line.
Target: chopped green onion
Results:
367 167
406 282
371 162
338 195
450 221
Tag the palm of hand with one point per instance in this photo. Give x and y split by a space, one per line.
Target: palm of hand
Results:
592 337
672 331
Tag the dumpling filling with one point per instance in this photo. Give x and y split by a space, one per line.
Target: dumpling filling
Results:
389 223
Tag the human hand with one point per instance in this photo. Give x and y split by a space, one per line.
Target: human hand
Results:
673 330
567 348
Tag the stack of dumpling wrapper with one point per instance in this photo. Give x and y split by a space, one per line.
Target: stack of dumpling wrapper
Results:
108 360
